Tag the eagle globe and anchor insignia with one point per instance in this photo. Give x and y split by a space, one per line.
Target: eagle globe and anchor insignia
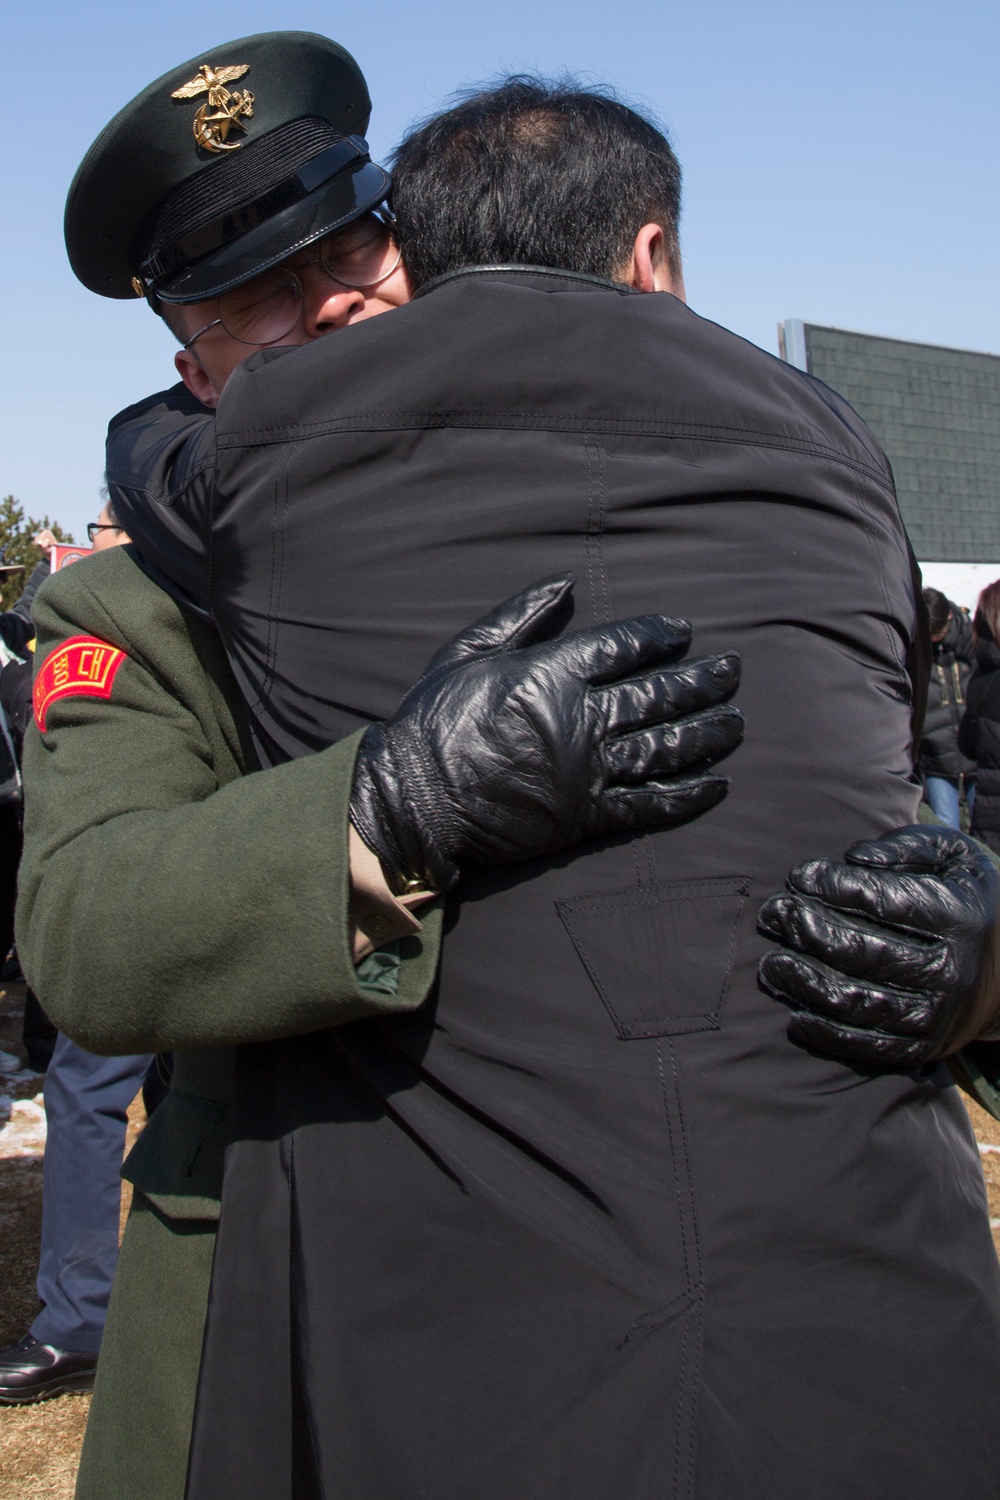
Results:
222 111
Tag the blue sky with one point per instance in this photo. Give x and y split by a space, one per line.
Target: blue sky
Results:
841 165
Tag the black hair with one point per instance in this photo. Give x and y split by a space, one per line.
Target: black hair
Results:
534 172
939 609
168 311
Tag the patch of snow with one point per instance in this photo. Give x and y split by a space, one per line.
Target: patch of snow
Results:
22 1127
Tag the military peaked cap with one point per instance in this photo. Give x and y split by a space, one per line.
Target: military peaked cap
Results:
223 167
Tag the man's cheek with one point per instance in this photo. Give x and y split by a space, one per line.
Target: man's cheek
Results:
373 306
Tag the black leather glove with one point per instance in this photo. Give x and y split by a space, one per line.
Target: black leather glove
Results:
893 951
513 745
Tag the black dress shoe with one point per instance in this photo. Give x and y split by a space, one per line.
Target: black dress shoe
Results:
30 1371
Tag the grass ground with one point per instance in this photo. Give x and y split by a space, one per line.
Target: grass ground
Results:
40 1445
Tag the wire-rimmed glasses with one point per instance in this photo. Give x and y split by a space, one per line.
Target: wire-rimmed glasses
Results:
263 310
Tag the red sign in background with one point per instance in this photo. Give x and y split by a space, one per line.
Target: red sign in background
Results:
64 553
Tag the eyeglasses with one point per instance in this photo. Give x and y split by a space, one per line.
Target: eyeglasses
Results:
263 310
93 527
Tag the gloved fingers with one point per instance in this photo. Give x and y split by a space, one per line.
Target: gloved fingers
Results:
666 749
625 648
623 809
921 848
668 693
860 1049
534 615
808 985
910 902
851 944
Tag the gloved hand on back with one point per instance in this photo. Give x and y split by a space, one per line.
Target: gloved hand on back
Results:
514 745
889 958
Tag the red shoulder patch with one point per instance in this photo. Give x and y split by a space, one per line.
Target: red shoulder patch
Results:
82 667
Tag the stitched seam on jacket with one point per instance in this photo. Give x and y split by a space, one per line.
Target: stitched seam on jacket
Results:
702 432
650 1322
891 641
597 571
162 493
277 573
581 905
626 1028
692 1276
595 530
718 889
594 976
696 1245
210 551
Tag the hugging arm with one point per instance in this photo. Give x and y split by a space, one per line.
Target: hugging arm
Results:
889 958
160 465
514 744
170 900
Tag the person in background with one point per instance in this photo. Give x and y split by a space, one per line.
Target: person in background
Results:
105 531
944 770
16 627
86 1104
38 1035
16 643
979 731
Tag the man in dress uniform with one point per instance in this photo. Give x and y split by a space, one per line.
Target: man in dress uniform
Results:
576 1254
86 1115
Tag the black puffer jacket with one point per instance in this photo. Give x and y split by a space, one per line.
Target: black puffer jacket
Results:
946 697
15 699
979 738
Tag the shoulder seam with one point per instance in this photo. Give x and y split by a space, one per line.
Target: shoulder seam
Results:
634 426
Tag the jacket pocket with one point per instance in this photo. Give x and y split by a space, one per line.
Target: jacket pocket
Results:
659 957
177 1160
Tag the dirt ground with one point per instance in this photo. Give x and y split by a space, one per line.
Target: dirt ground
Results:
40 1445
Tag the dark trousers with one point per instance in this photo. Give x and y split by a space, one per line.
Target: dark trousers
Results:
10 858
86 1099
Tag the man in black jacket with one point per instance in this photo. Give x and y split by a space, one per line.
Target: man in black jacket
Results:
657 1248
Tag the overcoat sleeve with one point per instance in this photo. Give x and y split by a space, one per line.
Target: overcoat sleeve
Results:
167 900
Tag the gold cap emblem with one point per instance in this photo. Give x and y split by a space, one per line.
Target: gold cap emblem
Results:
223 111
137 287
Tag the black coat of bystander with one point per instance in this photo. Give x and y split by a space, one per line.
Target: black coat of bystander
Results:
946 698
979 738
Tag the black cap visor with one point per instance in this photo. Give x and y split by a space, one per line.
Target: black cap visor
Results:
329 207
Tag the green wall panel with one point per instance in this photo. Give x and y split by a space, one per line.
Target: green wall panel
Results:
936 412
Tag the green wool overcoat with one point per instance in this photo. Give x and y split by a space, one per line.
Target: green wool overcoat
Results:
172 901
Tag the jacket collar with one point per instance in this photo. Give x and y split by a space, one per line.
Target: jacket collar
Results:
544 278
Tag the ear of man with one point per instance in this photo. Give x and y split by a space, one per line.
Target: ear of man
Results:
186 362
649 269
197 380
